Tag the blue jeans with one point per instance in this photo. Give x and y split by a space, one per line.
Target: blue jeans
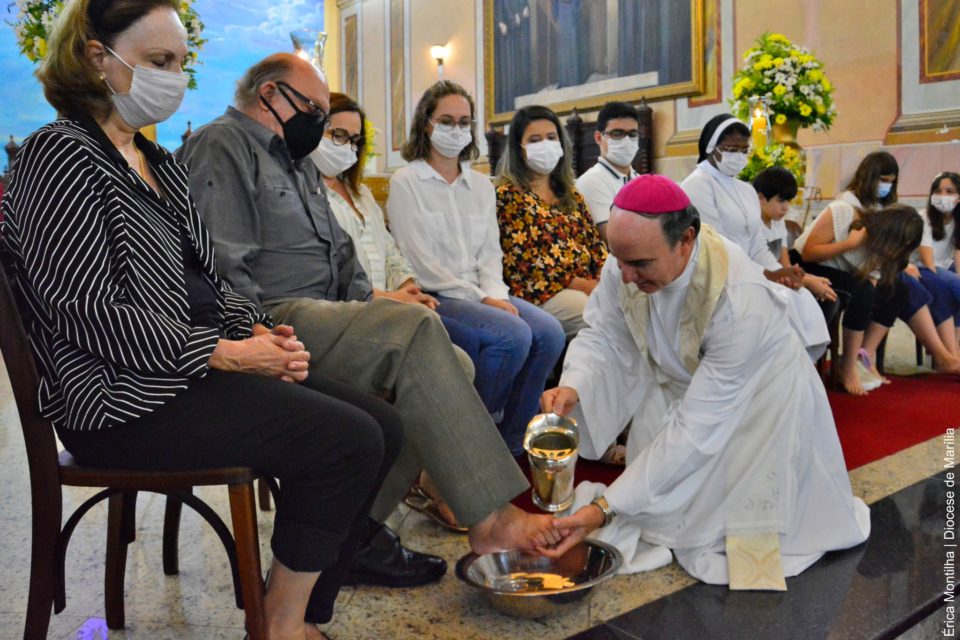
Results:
513 357
952 281
932 291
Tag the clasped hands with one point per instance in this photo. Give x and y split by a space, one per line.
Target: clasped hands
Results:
410 293
275 353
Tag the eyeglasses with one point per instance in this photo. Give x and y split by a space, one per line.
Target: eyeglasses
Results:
620 134
314 111
342 136
729 149
466 124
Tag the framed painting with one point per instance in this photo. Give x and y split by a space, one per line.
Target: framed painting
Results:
350 57
939 40
568 54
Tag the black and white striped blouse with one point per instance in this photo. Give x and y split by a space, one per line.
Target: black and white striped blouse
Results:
98 255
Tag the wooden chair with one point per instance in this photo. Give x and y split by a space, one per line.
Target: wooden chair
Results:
50 471
882 350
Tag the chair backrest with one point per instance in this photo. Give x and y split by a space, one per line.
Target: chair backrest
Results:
38 432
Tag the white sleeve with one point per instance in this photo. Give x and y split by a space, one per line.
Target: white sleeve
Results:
702 197
490 256
409 228
927 239
601 365
597 196
759 250
662 476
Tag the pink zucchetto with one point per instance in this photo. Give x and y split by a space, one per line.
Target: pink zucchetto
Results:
651 194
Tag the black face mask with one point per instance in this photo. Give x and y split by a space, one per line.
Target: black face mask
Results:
303 131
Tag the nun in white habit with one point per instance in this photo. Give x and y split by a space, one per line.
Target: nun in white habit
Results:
733 460
731 206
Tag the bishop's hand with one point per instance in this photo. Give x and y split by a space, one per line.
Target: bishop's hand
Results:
559 400
573 529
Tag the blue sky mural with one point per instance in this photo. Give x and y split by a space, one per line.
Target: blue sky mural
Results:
238 33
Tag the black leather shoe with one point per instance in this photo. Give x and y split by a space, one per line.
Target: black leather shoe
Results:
381 560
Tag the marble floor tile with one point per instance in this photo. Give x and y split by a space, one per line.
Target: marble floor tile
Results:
95 628
61 626
199 603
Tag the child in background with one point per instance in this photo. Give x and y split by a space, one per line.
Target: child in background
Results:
776 187
939 252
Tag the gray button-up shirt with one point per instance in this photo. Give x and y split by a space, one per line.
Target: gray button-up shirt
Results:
269 218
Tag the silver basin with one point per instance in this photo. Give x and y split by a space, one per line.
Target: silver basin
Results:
532 586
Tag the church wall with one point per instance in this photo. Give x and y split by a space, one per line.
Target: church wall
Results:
859 43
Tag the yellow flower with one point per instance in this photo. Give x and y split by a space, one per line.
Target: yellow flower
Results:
821 109
780 119
743 84
805 110
41 47
777 62
779 90
826 85
778 37
815 75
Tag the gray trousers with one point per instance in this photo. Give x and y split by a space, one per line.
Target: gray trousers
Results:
404 350
567 306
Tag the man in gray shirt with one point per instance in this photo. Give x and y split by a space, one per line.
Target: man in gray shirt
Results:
278 242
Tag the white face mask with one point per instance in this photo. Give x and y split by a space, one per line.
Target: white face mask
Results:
732 163
449 140
154 95
543 156
333 159
621 152
944 203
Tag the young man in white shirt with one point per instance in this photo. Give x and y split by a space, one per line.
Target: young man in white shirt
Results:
618 136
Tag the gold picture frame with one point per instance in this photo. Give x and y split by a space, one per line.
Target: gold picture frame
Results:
939 41
695 86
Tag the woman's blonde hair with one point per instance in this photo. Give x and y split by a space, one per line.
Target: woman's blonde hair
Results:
71 83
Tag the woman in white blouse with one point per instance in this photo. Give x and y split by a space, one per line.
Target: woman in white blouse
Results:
338 158
443 215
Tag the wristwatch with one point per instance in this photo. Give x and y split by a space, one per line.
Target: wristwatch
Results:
608 513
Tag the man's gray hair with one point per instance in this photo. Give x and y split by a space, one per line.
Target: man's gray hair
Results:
676 222
272 69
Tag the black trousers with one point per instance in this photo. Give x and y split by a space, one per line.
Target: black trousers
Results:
866 302
330 447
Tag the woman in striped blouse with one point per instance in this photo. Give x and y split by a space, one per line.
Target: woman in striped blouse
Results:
145 354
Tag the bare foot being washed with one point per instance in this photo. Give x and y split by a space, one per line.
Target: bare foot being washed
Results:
510 528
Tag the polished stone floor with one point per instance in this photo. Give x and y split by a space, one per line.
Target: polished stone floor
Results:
198 604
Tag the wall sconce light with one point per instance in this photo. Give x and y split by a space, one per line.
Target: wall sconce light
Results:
439 52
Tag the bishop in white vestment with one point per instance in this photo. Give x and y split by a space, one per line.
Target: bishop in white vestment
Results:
733 460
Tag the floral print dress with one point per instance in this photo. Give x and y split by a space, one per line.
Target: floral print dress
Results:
545 246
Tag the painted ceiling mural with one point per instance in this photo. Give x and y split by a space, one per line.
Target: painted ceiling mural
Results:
238 33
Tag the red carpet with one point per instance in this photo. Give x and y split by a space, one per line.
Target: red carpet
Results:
895 417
